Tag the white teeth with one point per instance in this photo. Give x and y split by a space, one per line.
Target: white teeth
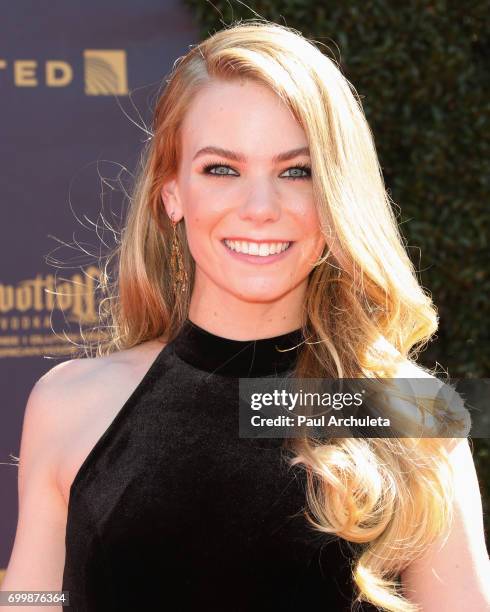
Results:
263 249
253 248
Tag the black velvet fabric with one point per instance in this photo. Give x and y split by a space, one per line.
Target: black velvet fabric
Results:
172 510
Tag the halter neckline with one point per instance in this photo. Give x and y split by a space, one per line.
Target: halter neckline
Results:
216 354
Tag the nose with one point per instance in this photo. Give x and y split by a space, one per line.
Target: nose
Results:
261 204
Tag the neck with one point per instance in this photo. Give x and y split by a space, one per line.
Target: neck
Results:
223 314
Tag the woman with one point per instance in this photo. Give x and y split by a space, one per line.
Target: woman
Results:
260 241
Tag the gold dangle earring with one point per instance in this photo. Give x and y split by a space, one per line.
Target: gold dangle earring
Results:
179 273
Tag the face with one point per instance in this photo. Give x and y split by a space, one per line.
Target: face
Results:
245 191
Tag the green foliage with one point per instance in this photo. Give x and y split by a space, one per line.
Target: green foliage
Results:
421 69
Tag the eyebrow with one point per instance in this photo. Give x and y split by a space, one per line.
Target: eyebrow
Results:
239 157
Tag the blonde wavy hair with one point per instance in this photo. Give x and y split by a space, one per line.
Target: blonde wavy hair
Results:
388 497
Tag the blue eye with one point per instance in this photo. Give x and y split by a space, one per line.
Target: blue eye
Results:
301 168
304 171
207 170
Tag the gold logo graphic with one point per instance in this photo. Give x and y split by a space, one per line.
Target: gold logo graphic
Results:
25 73
105 72
27 314
75 296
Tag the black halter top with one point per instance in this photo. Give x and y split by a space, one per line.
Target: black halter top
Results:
172 510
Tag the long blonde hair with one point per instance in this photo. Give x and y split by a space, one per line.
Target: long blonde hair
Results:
389 497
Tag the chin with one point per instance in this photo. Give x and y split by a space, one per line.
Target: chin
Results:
259 294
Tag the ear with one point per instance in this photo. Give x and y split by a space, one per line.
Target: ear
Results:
171 199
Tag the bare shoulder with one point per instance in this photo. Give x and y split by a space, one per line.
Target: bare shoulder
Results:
76 400
76 370
67 411
70 386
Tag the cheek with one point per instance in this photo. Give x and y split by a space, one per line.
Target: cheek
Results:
201 217
310 224
202 207
196 212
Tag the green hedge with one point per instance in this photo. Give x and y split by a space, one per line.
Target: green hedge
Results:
421 71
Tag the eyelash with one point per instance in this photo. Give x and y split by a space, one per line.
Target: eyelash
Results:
206 170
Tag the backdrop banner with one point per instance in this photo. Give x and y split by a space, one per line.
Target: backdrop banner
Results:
78 82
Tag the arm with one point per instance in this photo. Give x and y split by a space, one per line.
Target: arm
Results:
455 576
38 554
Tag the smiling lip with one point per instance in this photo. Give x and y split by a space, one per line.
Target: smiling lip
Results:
257 259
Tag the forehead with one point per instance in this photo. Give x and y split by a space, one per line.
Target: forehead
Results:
242 115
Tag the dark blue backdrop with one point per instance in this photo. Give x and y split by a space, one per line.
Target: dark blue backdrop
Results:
70 72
